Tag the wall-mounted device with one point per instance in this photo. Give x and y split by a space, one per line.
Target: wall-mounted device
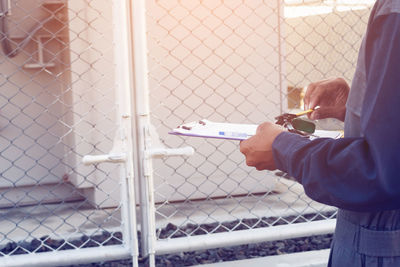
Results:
12 45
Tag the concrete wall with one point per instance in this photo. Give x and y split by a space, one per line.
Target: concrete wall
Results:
55 112
322 46
215 60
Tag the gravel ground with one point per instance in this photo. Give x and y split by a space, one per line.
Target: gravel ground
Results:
196 257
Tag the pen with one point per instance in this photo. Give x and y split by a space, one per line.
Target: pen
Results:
305 112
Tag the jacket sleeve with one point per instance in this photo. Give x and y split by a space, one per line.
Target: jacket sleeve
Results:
360 174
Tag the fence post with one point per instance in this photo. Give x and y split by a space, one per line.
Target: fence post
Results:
143 135
123 75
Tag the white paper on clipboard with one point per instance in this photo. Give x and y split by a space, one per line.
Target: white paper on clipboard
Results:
209 129
232 131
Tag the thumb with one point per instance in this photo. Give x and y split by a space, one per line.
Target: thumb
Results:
323 113
315 115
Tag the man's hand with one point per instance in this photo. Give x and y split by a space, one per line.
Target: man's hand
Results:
331 97
258 148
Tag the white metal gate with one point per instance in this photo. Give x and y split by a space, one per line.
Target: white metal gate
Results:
66 158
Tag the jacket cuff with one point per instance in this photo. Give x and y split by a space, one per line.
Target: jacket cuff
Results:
282 148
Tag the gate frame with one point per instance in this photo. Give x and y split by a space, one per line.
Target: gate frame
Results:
124 83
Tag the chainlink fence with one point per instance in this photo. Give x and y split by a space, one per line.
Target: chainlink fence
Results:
226 61
58 104
239 62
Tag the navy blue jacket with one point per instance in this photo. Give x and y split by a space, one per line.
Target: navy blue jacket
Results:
360 173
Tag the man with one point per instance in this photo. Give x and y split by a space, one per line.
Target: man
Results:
360 173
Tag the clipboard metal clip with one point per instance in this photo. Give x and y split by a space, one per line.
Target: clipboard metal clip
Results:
295 124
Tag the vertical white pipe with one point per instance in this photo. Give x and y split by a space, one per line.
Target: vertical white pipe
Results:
143 122
282 90
124 80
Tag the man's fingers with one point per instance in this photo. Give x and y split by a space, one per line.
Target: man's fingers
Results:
265 166
243 147
250 163
258 165
262 127
315 115
316 97
259 168
323 113
309 91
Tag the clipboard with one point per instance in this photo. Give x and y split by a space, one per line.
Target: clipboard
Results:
233 131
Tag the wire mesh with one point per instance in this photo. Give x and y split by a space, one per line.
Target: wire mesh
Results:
236 61
240 62
57 104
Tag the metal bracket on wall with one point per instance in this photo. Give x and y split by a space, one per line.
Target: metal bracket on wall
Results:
55 8
39 62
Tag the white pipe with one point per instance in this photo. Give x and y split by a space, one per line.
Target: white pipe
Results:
124 81
67 257
143 121
282 90
235 238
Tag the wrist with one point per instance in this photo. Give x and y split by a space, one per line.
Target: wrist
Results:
341 114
